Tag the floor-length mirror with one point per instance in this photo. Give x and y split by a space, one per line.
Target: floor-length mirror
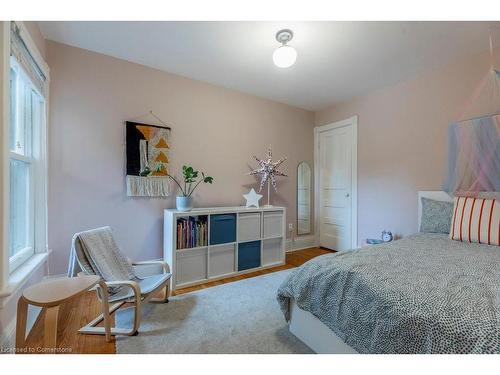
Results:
303 198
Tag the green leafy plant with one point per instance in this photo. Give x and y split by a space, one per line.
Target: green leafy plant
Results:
190 178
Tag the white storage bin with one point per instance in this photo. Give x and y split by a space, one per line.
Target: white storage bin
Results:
272 251
273 224
248 226
222 260
191 265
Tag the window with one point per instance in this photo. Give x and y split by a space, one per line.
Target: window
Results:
27 123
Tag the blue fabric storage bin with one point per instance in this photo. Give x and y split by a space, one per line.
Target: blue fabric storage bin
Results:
222 228
248 255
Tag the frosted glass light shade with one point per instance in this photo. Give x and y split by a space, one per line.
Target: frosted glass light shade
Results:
284 56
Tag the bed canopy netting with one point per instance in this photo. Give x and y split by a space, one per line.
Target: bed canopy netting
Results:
474 145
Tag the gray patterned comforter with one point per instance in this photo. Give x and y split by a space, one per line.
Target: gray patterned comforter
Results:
421 294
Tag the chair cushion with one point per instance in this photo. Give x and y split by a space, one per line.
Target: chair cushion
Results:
147 285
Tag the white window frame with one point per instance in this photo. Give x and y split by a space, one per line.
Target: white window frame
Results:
23 255
10 282
32 160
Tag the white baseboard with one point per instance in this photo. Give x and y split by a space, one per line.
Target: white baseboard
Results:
300 243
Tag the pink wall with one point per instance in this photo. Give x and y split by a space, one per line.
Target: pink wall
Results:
215 129
402 140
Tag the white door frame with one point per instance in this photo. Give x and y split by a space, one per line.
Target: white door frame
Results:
353 122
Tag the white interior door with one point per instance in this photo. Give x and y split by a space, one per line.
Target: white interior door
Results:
336 187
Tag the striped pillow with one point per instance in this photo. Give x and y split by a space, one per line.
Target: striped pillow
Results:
476 220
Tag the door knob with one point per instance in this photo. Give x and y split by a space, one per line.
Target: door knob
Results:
347 195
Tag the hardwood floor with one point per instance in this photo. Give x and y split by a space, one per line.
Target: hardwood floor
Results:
79 312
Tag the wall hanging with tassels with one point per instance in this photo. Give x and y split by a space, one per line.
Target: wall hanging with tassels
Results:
147 152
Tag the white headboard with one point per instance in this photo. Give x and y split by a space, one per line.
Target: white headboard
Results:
436 195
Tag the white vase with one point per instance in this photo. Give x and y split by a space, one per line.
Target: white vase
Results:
184 203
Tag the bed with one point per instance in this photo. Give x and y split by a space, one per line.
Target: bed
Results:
422 294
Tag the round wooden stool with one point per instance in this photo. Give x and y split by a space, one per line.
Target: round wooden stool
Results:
49 295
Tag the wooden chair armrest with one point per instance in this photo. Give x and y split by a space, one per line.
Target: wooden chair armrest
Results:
165 266
106 310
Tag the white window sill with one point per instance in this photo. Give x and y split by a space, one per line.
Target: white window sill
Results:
21 275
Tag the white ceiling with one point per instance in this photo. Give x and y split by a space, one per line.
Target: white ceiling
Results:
336 60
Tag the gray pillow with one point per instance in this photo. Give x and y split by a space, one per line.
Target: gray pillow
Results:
436 216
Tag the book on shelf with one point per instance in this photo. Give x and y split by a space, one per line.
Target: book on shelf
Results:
192 232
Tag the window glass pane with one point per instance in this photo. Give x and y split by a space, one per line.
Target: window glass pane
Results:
20 237
37 121
21 122
13 110
27 123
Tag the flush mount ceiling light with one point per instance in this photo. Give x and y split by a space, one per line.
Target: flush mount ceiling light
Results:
284 56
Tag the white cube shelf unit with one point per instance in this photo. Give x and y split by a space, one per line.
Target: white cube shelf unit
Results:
213 243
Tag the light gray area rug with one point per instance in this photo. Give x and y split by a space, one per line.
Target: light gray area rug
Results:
239 317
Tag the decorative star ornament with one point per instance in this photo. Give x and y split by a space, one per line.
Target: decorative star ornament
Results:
252 198
268 170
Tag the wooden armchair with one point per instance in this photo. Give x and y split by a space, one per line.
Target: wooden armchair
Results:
150 283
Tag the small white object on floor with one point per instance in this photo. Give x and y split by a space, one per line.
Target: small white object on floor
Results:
252 198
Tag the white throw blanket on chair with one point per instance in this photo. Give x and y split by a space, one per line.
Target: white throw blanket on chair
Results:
102 255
